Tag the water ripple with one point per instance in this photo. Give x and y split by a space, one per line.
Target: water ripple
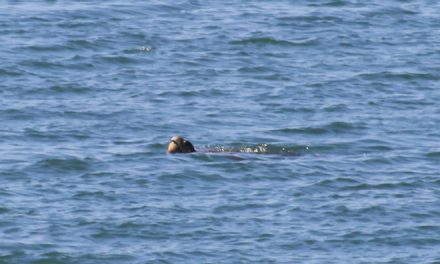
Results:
316 125
276 42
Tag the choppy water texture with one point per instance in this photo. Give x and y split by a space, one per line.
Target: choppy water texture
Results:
330 107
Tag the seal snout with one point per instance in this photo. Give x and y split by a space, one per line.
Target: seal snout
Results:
180 145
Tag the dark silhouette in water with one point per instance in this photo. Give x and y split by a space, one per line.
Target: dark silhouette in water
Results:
180 145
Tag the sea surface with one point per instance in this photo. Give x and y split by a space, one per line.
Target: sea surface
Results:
317 124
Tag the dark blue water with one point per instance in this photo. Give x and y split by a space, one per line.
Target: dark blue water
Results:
327 113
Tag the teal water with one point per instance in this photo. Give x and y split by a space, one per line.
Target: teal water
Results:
322 119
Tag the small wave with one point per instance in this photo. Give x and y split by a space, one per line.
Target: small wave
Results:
309 19
395 10
334 127
81 44
59 89
38 19
341 126
94 194
57 136
332 3
77 25
192 93
433 154
377 160
17 114
68 89
275 42
337 182
208 177
336 108
48 48
118 59
429 227
63 164
302 130
42 64
293 109
375 145
381 186
56 65
5 31
256 69
41 135
9 73
92 114
243 207
399 76
142 49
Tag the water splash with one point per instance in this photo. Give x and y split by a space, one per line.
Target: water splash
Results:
256 149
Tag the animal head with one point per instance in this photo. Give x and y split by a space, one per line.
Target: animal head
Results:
180 145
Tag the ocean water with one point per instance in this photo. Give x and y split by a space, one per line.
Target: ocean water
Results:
319 123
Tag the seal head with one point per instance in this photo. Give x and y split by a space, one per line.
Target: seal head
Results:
180 145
